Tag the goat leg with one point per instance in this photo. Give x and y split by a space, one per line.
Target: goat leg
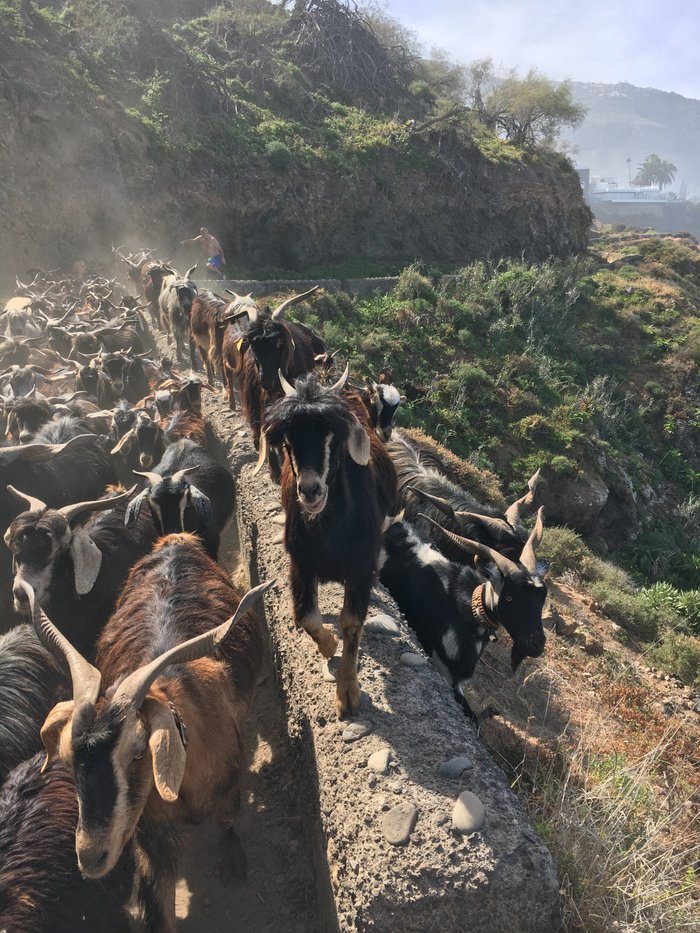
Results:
233 864
306 612
351 621
155 890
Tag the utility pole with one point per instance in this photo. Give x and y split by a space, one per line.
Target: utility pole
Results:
629 171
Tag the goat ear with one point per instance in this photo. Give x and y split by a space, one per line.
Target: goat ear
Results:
133 509
87 560
167 751
359 444
51 731
201 503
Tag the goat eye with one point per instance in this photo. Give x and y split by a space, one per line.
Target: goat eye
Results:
508 599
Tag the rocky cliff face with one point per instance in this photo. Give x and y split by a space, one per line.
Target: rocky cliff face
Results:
79 173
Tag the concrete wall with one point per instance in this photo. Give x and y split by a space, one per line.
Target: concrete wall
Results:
260 289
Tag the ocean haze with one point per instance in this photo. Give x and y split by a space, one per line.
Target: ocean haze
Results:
646 44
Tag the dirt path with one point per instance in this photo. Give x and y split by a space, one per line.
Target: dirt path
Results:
279 890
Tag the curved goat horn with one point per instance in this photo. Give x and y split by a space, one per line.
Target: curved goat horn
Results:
134 688
95 505
33 504
289 390
86 678
528 558
495 525
343 379
181 474
280 309
476 547
512 513
262 455
153 478
437 501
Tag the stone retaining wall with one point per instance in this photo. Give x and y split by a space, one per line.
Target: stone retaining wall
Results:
259 288
390 855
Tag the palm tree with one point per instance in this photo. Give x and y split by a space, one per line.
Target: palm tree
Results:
655 171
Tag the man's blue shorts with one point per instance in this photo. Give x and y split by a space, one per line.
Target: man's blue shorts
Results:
214 261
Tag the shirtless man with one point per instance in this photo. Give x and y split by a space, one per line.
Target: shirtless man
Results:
212 250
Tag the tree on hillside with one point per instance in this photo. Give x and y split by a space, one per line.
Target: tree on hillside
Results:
528 111
655 171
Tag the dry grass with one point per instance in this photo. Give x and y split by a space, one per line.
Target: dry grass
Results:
625 838
482 484
606 759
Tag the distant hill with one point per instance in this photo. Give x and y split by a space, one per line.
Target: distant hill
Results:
625 121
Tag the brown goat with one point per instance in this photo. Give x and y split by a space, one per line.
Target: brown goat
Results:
205 336
156 745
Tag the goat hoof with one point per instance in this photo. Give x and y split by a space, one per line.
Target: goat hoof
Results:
347 697
232 865
326 641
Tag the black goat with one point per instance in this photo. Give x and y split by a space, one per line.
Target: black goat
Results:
126 373
143 445
270 346
76 572
187 491
455 609
422 489
60 469
41 887
26 415
337 484
31 683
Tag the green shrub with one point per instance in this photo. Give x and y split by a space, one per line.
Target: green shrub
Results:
661 595
680 656
413 284
689 608
627 609
564 550
279 156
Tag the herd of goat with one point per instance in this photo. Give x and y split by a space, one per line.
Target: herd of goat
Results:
124 690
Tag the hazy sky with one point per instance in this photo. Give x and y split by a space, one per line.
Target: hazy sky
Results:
650 44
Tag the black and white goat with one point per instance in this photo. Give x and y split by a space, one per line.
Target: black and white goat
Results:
337 485
187 491
64 561
429 499
455 609
382 402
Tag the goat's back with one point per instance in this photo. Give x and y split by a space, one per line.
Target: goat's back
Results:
41 888
172 595
31 683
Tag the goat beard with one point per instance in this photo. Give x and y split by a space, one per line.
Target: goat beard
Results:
517 656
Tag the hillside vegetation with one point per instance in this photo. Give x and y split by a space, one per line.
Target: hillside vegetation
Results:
586 367
294 134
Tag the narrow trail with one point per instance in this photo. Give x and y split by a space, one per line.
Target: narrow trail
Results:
279 890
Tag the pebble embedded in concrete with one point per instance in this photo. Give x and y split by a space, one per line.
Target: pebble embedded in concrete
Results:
330 669
379 761
381 624
454 767
415 661
398 823
468 814
278 519
356 730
